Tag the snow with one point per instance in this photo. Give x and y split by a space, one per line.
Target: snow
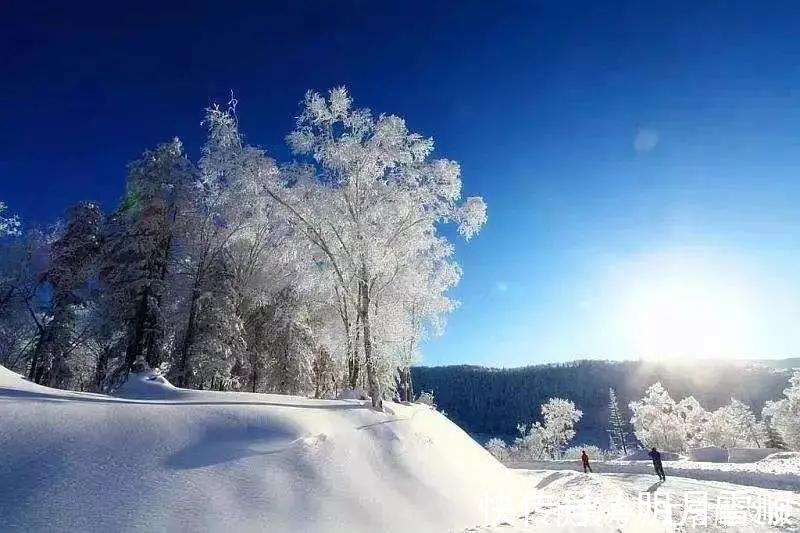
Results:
147 386
155 457
353 394
643 455
610 502
778 471
750 455
711 454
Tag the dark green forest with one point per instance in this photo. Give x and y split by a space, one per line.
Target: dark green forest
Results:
489 402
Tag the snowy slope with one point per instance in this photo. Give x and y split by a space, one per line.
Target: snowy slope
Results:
160 458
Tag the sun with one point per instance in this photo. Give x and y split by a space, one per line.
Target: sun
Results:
685 309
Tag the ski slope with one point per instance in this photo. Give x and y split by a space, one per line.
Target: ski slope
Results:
777 471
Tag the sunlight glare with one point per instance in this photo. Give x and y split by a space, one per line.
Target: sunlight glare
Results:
681 309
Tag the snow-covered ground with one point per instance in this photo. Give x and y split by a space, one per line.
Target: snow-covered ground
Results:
778 471
158 458
610 502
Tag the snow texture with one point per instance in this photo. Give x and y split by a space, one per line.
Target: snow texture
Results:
589 503
778 471
750 455
711 454
158 458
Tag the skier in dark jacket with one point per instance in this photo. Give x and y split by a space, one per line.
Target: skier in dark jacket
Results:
656 457
585 461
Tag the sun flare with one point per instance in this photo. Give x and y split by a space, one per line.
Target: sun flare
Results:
681 309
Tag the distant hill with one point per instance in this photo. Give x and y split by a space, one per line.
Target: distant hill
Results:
491 401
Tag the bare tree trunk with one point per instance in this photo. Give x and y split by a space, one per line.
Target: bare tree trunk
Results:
351 344
369 360
134 352
188 340
406 387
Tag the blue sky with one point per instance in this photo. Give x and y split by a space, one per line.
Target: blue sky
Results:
640 162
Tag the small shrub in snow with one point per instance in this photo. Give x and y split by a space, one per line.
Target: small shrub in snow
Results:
498 448
426 398
530 445
574 453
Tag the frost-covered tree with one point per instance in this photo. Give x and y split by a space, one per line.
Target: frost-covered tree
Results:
694 418
237 273
530 444
774 439
8 225
324 375
138 253
617 425
369 201
426 398
292 351
750 432
784 414
498 448
734 425
217 334
22 263
718 430
559 416
656 422
71 262
573 453
224 209
546 438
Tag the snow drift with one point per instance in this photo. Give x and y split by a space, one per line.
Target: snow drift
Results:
155 457
711 454
750 455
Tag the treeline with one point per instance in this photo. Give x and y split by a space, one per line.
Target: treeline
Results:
491 402
236 272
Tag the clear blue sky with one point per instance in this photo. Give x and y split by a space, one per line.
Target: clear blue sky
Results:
640 161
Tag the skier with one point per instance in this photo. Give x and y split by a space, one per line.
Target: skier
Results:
657 464
585 461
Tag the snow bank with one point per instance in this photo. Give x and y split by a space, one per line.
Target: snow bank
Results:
148 385
750 455
353 394
156 458
710 454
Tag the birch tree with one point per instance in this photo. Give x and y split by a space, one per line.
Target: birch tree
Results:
370 199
